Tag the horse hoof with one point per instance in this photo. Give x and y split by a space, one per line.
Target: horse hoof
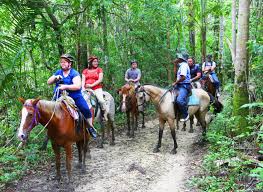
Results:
100 146
143 126
198 124
183 129
79 166
112 143
156 150
173 151
191 131
128 134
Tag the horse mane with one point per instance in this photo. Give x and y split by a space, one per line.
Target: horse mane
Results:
154 85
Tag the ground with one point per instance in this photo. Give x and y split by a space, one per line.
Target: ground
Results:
128 166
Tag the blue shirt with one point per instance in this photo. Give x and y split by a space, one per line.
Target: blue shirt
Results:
68 81
194 70
133 74
185 71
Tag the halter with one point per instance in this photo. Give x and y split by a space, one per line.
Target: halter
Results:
36 115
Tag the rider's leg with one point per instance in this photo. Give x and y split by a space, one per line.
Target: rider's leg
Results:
182 102
99 95
84 109
216 82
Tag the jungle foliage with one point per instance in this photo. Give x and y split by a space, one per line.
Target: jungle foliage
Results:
34 33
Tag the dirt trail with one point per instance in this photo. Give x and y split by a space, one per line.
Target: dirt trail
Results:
128 166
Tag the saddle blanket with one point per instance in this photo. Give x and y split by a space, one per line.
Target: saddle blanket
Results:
193 100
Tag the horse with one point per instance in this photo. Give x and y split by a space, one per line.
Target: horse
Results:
93 103
129 106
208 85
61 129
163 100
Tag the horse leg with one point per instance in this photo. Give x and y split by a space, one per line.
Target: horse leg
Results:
161 127
56 150
136 121
68 149
201 118
85 150
111 125
128 123
184 127
79 146
133 125
101 140
191 124
143 123
177 120
172 127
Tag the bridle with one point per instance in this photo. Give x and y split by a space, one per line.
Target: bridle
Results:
36 115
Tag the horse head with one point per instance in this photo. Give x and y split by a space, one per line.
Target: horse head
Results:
142 98
126 91
29 118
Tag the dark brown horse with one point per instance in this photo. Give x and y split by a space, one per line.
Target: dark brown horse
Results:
208 85
129 106
61 129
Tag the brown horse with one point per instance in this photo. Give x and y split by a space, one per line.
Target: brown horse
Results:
129 106
163 101
61 129
208 85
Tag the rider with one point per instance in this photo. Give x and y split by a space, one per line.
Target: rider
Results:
69 79
182 84
92 78
209 66
195 70
133 74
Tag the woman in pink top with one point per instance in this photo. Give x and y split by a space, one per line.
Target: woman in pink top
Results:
92 79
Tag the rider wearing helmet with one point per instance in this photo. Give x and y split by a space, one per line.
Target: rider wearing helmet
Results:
133 74
92 78
209 67
69 79
182 84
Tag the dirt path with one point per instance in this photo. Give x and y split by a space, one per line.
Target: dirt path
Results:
129 166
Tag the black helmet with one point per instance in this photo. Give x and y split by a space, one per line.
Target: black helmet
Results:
209 56
68 57
183 56
134 61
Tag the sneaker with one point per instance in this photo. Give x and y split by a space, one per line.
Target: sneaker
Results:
185 119
92 132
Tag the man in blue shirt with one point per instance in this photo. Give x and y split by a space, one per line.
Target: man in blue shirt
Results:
133 74
69 79
182 85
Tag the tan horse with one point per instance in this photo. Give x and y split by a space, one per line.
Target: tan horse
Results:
163 101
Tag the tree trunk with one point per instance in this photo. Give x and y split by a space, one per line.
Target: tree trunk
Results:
203 30
234 12
221 48
241 67
191 23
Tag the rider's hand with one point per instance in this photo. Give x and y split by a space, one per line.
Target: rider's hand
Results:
174 83
58 77
63 87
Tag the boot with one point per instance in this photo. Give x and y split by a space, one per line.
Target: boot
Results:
91 129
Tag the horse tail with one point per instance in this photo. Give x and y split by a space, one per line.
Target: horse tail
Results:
218 106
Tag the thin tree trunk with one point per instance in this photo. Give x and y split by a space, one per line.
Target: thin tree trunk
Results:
234 12
221 48
168 47
191 27
241 67
203 30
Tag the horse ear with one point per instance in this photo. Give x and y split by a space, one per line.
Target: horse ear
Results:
35 101
118 91
22 100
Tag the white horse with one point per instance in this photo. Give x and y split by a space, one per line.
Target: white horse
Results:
163 100
93 103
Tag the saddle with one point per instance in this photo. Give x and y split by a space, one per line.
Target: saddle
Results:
92 100
71 106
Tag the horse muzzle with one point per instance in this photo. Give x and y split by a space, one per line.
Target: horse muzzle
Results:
22 136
